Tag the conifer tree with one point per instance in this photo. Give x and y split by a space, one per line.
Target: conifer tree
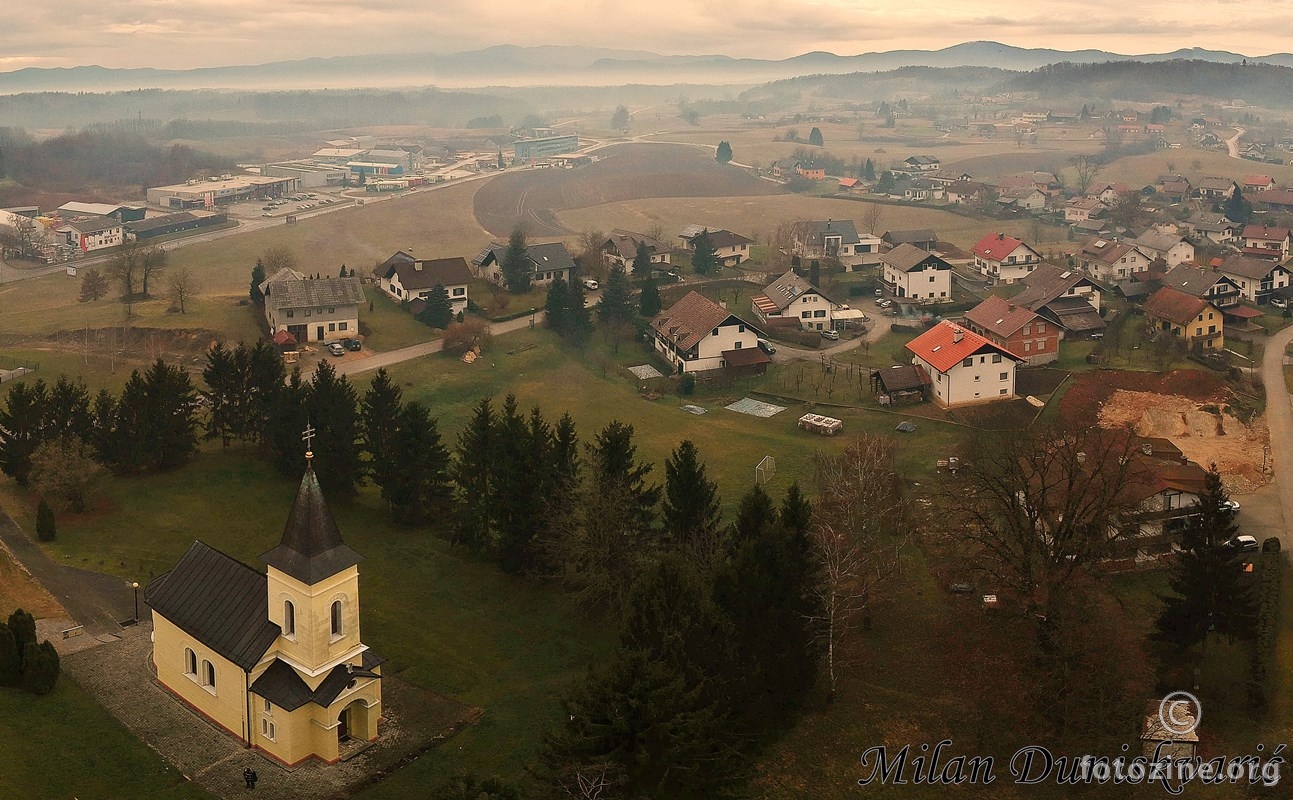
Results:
94 286
868 171
815 138
616 306
23 628
473 476
649 300
266 377
417 486
39 667
46 528
690 507
168 420
516 267
288 419
332 408
557 305
723 153
642 261
68 410
703 258
22 420
520 456
613 459
10 659
439 310
225 393
379 422
578 317
257 278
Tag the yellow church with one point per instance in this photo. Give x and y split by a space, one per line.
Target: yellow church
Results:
274 658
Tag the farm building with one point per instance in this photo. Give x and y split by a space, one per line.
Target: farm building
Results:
696 334
901 383
965 368
528 149
178 222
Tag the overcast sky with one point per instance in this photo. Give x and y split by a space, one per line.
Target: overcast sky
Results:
180 34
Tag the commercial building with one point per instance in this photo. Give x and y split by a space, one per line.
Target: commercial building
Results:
221 191
527 149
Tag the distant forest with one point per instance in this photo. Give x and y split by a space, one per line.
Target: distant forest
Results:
1257 84
893 84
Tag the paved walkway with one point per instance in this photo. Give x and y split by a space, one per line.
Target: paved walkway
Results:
1267 512
119 676
427 348
98 602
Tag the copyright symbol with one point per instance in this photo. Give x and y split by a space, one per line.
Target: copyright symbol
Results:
1180 713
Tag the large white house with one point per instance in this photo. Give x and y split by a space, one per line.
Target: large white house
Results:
696 334
88 234
312 309
1257 278
964 368
836 239
1110 261
791 298
1171 247
406 278
1003 259
910 272
547 262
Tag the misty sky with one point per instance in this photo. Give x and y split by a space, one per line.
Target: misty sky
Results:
180 34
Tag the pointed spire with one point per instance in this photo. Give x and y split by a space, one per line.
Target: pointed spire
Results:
311 548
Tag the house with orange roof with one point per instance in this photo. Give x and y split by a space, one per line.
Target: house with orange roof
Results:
696 334
1017 328
964 367
1258 183
1192 319
1004 259
1263 241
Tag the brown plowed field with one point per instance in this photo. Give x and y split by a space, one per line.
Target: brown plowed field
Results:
623 172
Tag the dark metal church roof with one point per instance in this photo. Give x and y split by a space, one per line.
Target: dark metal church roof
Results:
311 549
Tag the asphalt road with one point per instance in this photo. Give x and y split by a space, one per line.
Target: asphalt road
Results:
1266 512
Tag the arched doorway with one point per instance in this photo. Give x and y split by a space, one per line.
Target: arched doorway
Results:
353 722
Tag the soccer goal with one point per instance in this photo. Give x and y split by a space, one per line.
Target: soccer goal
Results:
765 469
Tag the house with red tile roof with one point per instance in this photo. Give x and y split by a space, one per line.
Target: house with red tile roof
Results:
1261 241
1080 209
1191 319
1258 183
696 334
1004 259
1111 261
1016 328
964 367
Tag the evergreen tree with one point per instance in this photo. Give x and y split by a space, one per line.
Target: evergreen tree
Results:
690 508
868 171
653 714
815 138
287 421
613 459
520 455
257 278
379 423
417 487
104 412
724 152
517 267
557 305
10 659
642 261
766 589
649 299
561 497
1210 591
22 626
473 475
266 378
332 407
68 410
122 446
168 420
225 393
46 528
22 419
703 258
94 286
796 512
1237 208
578 316
620 119
439 310
815 272
39 667
616 306
886 183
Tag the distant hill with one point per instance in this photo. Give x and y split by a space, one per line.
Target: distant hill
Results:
568 65
1267 85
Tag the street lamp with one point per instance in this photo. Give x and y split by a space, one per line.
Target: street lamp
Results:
135 585
532 317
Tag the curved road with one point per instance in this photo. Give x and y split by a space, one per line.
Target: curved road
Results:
1265 512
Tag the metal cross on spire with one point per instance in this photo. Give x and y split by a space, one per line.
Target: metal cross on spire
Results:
307 436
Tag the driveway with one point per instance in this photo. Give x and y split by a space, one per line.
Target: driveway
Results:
1265 512
356 366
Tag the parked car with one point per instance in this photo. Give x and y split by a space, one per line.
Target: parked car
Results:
354 345
886 303
1244 543
1279 302
1230 505
766 346
879 292
336 349
590 284
829 334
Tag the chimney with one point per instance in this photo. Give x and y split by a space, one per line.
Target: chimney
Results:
1001 237
1147 449
1010 307
722 303
957 335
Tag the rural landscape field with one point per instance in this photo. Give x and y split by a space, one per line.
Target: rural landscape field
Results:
602 548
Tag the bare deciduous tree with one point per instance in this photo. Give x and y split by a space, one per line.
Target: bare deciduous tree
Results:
182 285
278 257
860 525
1085 168
152 260
872 215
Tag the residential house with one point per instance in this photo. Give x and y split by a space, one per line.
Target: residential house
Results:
924 238
919 189
1173 187
273 658
1172 248
834 239
88 234
1111 261
1215 287
1003 259
791 301
1166 489
1017 328
696 334
964 367
1215 228
810 170
916 165
1215 188
850 184
1259 183
621 248
729 248
547 262
947 177
312 309
1192 319
964 192
1261 241
406 278
1064 297
1081 209
1277 200
1108 192
1258 278
910 272
1024 198
1046 182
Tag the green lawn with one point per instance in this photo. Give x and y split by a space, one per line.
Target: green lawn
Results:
388 325
65 745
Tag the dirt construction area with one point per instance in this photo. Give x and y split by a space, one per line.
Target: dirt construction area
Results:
1204 431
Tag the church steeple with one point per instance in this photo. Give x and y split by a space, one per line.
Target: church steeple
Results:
311 549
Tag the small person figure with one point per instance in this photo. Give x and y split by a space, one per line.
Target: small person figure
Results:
254 778
249 775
